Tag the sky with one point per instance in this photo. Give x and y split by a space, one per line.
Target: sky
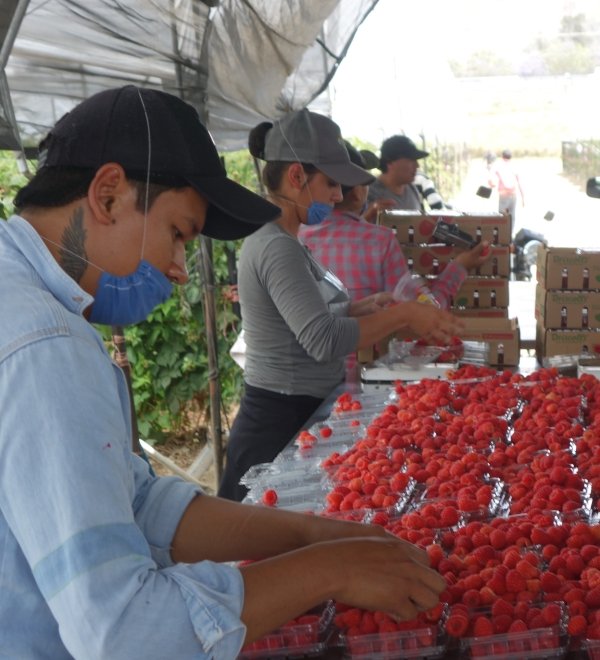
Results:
396 76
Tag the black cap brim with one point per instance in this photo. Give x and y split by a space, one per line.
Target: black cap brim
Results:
234 211
346 174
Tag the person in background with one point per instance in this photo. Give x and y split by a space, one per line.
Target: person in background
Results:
505 179
401 184
298 320
101 559
368 258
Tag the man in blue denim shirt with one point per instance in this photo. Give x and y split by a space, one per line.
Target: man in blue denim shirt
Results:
98 558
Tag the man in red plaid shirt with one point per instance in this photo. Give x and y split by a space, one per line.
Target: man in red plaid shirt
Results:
368 258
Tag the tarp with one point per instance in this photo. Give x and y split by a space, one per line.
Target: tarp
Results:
237 61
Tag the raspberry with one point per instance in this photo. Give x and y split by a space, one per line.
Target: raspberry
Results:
502 607
550 582
551 614
325 431
482 627
592 598
449 516
515 582
518 626
527 570
269 497
577 625
457 625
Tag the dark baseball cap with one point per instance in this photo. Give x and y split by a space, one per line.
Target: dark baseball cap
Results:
400 146
146 128
307 137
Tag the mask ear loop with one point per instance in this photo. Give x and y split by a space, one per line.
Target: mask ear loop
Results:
147 191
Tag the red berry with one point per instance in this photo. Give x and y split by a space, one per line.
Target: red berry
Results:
269 497
457 624
482 627
325 431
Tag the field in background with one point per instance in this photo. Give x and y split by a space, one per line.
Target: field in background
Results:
530 115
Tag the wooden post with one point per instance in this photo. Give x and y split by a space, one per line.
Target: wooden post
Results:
120 357
205 268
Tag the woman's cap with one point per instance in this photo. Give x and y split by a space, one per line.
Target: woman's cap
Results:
307 137
138 128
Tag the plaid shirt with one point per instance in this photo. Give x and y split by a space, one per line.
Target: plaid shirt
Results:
368 258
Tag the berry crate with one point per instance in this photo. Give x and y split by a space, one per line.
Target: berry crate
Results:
306 636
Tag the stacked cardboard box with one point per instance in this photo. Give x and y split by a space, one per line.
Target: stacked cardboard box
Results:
483 298
567 305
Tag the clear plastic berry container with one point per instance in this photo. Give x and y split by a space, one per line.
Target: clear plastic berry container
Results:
543 642
306 636
426 641
591 648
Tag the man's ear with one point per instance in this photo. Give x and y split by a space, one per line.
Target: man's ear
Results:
297 176
107 185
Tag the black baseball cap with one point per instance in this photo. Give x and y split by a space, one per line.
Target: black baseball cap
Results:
146 128
400 146
308 137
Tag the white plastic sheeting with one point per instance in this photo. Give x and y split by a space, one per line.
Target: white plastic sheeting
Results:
237 61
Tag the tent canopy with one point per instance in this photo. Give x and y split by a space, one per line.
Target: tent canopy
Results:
238 62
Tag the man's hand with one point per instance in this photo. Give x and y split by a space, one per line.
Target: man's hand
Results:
474 257
386 574
378 205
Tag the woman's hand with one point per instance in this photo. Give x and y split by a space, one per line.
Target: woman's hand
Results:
433 324
474 257
373 303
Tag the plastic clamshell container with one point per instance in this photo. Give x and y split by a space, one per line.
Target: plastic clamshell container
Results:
294 640
427 642
539 643
592 648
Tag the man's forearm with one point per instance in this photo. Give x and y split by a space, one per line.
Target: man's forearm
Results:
219 530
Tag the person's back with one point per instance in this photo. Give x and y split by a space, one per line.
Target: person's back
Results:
364 256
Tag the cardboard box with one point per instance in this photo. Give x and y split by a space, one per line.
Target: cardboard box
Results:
558 308
494 227
550 342
568 268
481 313
501 334
489 291
423 256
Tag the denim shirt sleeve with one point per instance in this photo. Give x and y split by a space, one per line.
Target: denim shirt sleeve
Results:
93 525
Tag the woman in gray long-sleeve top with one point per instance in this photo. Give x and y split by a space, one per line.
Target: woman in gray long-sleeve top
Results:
298 321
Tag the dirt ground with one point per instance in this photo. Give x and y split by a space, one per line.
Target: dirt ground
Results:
183 450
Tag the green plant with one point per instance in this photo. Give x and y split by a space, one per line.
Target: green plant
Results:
10 181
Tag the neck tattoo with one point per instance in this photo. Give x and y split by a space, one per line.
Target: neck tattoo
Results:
73 257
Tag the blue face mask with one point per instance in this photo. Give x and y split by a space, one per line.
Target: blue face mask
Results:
124 300
317 212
